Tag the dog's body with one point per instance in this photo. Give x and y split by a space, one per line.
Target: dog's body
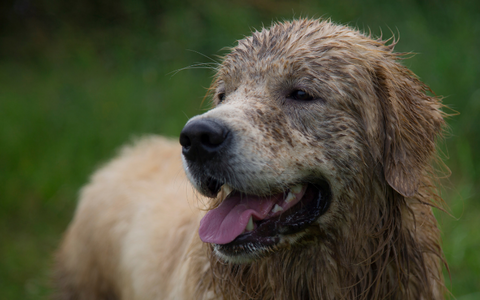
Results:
317 158
132 229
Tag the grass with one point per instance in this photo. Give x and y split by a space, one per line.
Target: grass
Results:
69 101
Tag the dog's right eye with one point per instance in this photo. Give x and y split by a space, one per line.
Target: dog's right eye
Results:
221 97
300 95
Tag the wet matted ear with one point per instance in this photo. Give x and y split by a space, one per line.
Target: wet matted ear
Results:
412 121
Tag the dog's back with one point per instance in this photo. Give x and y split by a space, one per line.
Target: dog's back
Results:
131 228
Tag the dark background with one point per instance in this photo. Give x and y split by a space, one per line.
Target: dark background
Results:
80 78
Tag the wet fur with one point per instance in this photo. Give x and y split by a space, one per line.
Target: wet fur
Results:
371 133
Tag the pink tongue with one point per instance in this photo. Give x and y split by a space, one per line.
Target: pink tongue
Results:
224 223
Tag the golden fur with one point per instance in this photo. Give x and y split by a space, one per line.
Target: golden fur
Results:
370 133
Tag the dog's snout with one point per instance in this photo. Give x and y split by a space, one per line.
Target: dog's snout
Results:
202 139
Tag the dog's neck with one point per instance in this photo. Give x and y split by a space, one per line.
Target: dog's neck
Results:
383 256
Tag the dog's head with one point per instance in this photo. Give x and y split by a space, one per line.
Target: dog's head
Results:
310 119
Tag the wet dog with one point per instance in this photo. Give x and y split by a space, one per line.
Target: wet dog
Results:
313 170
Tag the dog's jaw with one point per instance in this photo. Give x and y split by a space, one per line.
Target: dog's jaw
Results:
288 217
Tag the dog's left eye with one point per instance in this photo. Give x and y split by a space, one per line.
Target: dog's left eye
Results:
300 95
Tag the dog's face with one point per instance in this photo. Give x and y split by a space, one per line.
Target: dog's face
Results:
298 121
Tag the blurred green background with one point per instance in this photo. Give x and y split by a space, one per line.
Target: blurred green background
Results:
79 79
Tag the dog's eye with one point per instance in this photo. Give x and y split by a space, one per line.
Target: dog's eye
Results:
221 97
300 95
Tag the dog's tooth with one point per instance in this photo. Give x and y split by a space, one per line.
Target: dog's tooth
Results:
296 189
290 197
277 208
250 226
226 189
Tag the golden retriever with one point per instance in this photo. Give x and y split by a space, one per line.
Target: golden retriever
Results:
312 177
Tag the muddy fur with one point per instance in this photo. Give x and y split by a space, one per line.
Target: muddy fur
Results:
370 132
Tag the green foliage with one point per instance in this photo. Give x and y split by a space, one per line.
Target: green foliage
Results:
79 80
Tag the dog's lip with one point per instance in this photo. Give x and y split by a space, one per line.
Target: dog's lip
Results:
213 186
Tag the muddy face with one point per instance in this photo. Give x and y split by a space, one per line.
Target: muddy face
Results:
284 143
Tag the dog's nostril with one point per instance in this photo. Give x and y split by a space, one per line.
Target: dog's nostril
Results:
211 140
185 141
202 139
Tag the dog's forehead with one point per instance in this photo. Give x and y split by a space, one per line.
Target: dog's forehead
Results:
285 48
318 56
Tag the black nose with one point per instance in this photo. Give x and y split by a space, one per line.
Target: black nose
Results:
202 139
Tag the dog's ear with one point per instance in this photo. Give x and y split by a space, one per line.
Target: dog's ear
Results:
412 121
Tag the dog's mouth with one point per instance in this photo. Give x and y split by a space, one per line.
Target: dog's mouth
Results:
246 224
